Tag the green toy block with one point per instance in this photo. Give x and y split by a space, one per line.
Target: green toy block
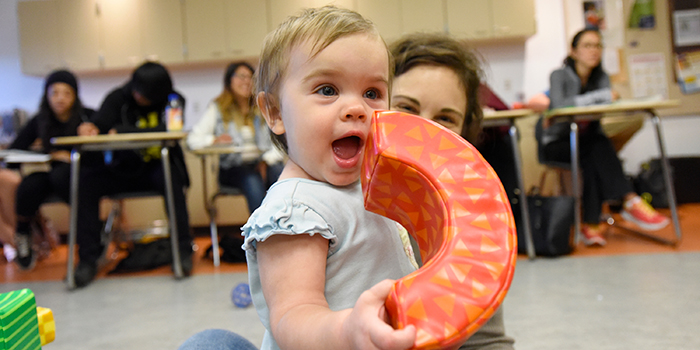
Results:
18 321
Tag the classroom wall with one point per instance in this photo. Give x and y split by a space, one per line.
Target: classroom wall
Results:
516 71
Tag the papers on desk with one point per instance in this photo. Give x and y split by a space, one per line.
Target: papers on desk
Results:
19 156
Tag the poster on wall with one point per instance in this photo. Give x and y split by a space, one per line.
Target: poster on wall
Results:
648 75
686 27
688 71
594 14
643 15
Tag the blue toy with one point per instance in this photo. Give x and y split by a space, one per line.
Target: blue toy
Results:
241 295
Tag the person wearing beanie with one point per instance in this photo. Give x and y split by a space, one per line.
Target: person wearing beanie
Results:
60 114
137 106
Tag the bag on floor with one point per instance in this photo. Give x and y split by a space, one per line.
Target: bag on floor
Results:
551 219
146 256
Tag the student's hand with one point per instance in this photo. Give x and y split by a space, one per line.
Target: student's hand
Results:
615 95
223 139
87 129
112 131
366 327
61 156
262 169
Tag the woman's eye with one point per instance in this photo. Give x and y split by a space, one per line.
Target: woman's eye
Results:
326 91
445 120
405 108
372 94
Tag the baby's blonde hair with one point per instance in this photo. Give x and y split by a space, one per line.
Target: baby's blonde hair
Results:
318 26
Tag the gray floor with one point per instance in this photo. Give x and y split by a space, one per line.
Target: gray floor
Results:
617 302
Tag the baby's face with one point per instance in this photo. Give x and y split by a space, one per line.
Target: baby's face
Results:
326 103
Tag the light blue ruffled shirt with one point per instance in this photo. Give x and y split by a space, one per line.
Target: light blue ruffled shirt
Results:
363 248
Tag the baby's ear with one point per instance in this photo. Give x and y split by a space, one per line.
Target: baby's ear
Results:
271 112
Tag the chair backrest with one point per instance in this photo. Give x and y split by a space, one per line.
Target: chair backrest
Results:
541 157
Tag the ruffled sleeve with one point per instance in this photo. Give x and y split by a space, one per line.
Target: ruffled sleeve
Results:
284 217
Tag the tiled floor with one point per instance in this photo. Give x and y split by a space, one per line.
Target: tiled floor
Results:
631 294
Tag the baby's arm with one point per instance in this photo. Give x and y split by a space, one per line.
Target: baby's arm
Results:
292 273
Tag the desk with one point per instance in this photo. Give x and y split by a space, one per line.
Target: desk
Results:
507 118
596 112
203 153
119 142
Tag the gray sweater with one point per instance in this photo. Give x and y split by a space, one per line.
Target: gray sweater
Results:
565 88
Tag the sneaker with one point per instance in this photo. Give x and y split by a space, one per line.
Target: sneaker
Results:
593 234
26 259
639 212
84 273
9 251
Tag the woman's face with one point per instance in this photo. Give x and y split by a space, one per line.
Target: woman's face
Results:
242 82
432 92
61 98
588 51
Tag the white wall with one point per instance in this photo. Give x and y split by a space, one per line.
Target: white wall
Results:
515 71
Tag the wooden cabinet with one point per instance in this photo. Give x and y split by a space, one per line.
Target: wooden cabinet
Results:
133 31
224 29
279 10
490 19
90 35
49 42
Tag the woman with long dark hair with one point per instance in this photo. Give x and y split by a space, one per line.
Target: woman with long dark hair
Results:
581 82
60 113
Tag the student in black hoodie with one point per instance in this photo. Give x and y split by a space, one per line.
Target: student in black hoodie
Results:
137 106
60 113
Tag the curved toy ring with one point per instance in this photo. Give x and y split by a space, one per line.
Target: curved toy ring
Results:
440 188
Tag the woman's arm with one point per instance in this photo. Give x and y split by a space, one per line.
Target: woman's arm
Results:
202 133
27 135
292 273
561 94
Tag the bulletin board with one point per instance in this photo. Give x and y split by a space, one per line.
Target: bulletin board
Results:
657 43
649 45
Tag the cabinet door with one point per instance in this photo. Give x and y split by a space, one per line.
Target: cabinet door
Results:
518 20
470 19
79 30
38 36
246 27
385 15
120 28
422 16
279 10
161 31
205 30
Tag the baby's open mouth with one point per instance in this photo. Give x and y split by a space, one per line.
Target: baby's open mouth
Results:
347 147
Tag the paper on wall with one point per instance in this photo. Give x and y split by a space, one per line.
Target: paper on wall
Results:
648 75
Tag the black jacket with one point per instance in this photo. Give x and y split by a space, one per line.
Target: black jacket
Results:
120 111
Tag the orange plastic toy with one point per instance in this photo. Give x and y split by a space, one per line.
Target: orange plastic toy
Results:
440 188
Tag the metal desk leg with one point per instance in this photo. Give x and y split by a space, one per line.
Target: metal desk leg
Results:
670 192
530 246
212 215
175 243
575 182
73 234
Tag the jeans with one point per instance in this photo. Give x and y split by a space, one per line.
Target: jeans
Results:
217 339
247 178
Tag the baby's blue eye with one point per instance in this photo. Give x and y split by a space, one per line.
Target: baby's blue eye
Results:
327 91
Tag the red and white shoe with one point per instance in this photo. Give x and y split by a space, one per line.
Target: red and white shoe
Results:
639 212
593 234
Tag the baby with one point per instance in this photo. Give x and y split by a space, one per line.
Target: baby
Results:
320 265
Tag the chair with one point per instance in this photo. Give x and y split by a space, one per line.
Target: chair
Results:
560 167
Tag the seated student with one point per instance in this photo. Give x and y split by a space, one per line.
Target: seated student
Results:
232 118
582 81
438 78
136 106
60 113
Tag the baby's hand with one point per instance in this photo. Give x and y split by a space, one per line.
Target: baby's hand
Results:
366 327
